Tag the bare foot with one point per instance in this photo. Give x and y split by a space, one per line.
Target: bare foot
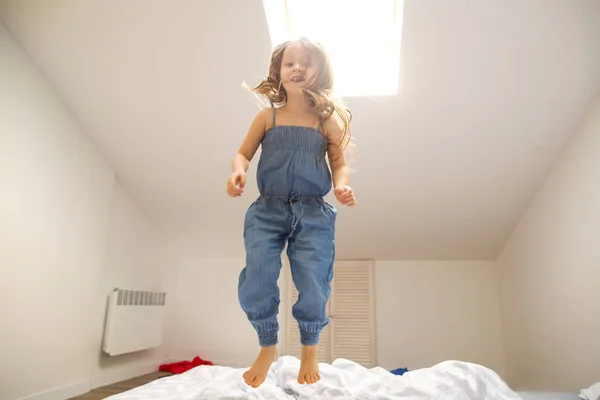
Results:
309 366
257 374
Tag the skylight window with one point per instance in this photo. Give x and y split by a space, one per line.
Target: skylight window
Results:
361 37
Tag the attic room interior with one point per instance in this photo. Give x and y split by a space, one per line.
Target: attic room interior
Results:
162 222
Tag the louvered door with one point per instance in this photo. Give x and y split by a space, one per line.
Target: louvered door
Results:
351 332
352 313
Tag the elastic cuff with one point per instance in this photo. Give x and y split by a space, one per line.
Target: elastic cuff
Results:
309 338
267 339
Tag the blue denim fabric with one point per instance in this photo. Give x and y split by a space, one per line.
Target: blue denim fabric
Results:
307 225
293 161
293 177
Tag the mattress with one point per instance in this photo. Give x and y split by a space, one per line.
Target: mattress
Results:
548 396
341 380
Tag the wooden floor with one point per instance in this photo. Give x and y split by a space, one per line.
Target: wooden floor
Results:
116 388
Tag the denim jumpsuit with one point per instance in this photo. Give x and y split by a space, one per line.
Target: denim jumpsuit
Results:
293 177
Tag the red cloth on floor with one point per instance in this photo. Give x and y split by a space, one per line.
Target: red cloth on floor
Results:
182 366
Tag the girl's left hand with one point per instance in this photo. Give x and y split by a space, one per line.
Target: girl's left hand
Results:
345 195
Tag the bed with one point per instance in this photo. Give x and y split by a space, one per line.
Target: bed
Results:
548 396
341 380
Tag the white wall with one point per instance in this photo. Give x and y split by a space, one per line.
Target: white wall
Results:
550 274
61 243
134 260
205 317
426 312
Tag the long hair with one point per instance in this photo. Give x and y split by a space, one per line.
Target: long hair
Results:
320 91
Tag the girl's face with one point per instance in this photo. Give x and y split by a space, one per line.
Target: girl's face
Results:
298 71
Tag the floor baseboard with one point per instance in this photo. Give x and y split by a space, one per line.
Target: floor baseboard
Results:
122 374
62 393
103 379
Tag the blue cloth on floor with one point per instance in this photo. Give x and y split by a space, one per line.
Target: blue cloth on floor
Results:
399 371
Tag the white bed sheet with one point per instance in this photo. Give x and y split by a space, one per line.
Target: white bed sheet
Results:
548 396
341 380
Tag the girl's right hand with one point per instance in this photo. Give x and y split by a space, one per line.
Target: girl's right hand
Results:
236 183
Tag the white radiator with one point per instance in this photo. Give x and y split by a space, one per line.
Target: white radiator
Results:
134 321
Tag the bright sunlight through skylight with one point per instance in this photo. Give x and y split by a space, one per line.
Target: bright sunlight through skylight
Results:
362 38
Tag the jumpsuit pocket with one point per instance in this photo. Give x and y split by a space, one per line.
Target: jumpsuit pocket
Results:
331 211
249 215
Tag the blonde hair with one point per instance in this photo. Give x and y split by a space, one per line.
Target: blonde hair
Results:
320 92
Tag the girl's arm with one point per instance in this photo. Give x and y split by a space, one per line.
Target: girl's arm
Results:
335 151
339 170
241 161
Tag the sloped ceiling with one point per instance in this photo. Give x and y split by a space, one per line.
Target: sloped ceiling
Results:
489 92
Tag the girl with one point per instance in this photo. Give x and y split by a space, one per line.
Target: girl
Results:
293 177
